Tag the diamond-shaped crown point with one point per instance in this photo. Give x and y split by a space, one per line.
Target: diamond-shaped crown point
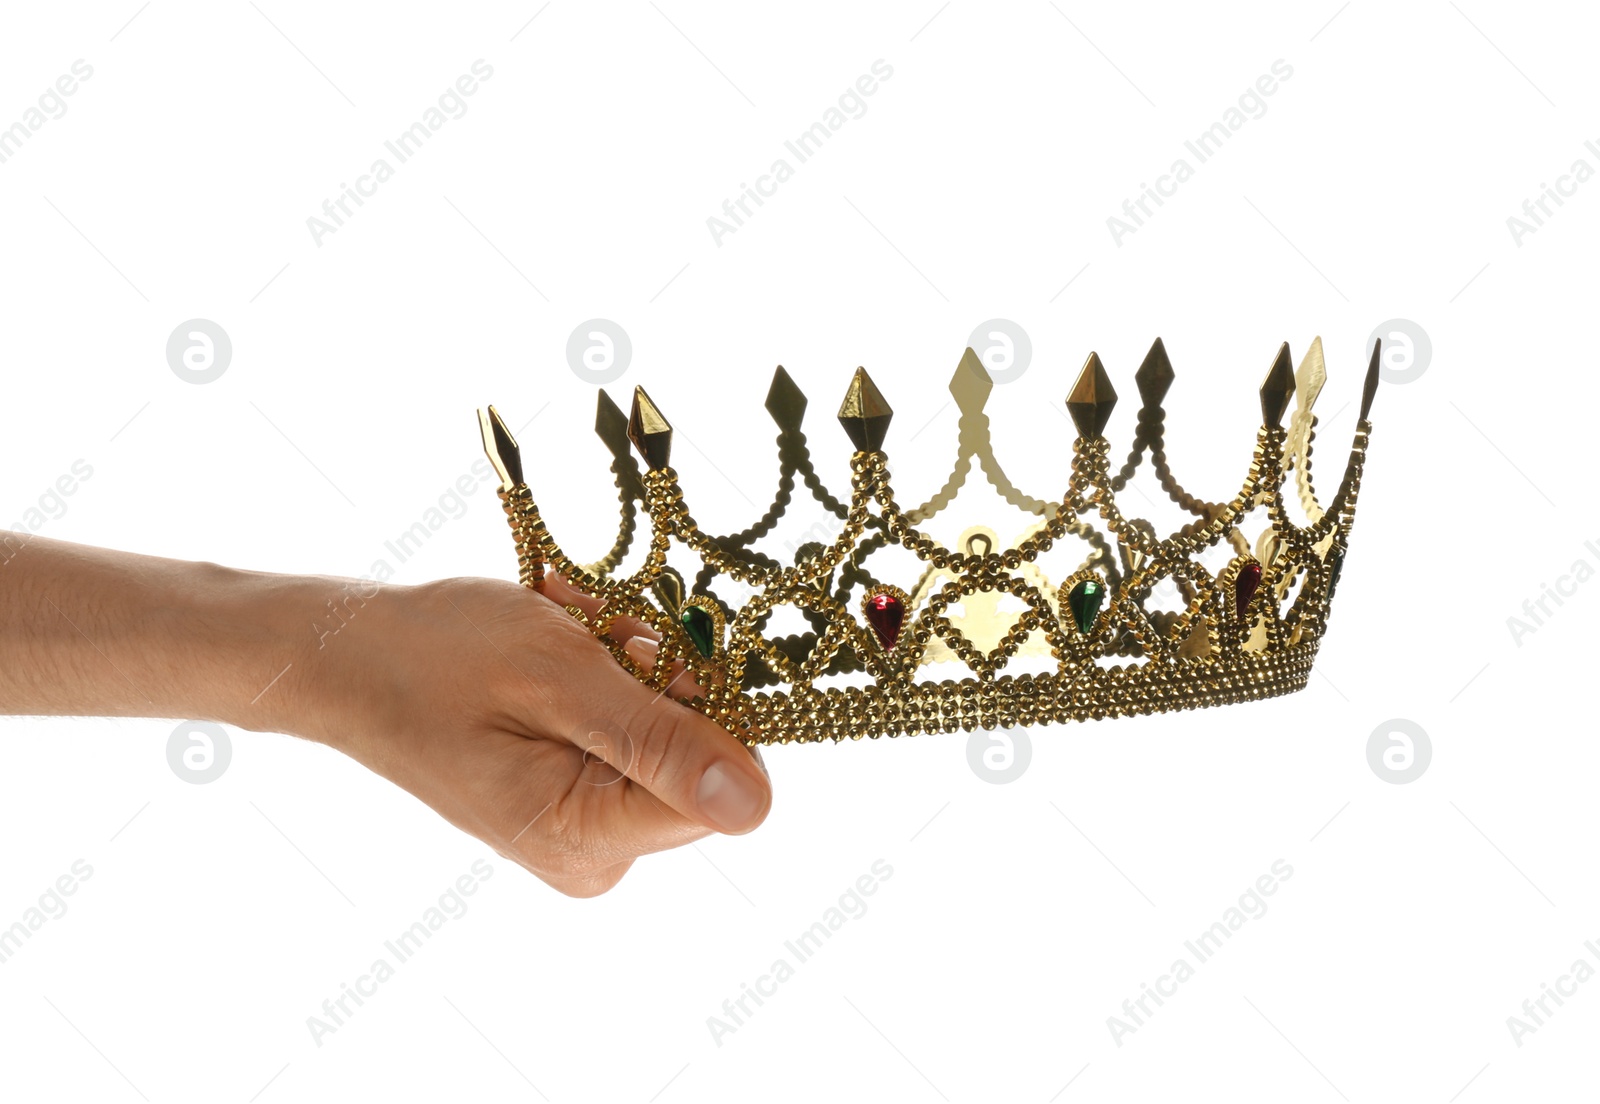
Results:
610 423
971 385
1155 375
865 413
1092 399
1312 374
501 446
1277 389
1369 390
785 401
649 431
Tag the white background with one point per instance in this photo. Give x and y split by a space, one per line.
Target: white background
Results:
978 183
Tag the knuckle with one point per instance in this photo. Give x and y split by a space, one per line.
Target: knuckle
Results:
539 652
558 624
661 736
556 638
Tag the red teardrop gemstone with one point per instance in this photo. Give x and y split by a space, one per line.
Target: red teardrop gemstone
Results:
1244 587
885 613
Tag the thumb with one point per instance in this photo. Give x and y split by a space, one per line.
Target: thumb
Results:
694 765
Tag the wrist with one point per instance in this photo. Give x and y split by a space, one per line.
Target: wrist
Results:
292 645
235 639
95 632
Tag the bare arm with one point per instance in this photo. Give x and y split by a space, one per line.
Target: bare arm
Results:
484 699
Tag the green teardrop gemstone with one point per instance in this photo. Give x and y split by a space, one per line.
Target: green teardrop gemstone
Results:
701 628
1085 602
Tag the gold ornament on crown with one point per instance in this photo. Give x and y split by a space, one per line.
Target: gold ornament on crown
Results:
1247 632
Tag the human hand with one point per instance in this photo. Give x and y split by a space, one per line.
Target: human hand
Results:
497 708
484 699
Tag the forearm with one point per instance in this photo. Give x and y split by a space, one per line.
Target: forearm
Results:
481 697
89 631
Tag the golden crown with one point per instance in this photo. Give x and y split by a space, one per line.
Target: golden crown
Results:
1248 631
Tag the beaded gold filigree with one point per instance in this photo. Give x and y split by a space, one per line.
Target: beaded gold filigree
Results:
1249 631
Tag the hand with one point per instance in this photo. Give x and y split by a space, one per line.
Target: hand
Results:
484 699
498 709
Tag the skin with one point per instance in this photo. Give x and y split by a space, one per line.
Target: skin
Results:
484 699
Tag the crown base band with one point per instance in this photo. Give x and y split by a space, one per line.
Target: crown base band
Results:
835 713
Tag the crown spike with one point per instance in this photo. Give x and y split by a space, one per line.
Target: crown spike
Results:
649 431
1370 390
1311 375
1277 389
971 385
610 424
501 448
785 401
1092 399
865 414
1155 375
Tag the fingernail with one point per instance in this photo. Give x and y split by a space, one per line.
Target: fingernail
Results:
729 798
642 651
